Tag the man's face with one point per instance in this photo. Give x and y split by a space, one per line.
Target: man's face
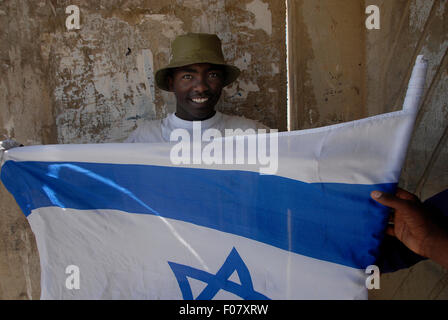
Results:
197 88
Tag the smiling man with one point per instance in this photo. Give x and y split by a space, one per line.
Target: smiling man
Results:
196 74
197 88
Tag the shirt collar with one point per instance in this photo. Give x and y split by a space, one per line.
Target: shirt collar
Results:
186 124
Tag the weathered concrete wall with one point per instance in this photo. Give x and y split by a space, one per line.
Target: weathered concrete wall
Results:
412 28
340 71
327 62
100 92
86 86
26 113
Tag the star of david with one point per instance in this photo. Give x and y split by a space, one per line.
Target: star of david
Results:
218 281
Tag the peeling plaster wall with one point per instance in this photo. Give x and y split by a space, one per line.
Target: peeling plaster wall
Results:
100 93
86 86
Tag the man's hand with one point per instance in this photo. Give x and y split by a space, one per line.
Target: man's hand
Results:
413 225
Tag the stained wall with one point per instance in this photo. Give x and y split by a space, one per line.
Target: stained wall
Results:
342 71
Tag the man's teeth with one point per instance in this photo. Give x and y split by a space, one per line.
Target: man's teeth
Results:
199 100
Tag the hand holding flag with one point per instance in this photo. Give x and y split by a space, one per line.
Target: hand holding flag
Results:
414 226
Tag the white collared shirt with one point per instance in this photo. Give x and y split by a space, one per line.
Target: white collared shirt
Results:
160 130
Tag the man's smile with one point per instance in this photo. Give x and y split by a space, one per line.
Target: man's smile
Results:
199 100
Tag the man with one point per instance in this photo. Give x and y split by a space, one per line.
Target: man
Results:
196 74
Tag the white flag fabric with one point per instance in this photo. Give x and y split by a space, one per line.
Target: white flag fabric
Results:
120 221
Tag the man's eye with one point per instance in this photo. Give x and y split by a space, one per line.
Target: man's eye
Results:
214 75
187 77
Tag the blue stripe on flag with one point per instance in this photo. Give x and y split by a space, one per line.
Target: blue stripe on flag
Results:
335 222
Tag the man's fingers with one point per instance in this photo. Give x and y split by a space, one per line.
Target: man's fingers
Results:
389 200
403 194
390 231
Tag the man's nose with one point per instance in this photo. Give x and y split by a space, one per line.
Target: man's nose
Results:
201 85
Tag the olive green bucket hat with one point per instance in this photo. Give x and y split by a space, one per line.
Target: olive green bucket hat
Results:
194 48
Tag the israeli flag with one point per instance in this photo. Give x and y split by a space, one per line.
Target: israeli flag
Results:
120 221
